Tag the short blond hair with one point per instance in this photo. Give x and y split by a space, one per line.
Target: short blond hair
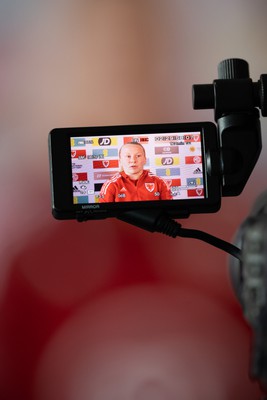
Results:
136 143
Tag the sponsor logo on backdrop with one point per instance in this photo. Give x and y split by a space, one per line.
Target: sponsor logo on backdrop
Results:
195 192
105 164
76 166
79 176
77 142
168 138
104 141
136 139
167 171
100 153
192 137
97 186
80 154
167 161
81 190
103 175
194 181
193 160
173 182
167 150
80 199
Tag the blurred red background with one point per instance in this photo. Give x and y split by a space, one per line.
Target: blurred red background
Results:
103 310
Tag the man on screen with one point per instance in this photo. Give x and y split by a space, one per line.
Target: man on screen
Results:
133 183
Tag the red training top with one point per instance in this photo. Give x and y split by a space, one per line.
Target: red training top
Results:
121 188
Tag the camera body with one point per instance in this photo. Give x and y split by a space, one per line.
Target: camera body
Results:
185 156
249 279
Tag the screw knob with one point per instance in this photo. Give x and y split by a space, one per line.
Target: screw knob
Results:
233 68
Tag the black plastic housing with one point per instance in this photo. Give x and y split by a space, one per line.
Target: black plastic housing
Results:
61 170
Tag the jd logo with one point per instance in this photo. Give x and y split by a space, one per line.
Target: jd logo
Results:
167 161
105 141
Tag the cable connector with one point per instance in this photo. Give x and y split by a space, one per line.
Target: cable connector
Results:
152 221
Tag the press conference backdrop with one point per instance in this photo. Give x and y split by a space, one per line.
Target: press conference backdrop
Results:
176 157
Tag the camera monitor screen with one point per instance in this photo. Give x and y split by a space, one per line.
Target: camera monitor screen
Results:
111 169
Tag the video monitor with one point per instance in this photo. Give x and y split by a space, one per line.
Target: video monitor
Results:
99 172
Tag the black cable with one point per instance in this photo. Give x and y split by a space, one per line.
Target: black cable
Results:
157 221
214 241
172 228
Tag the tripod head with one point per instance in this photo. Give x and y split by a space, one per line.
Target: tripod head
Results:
236 101
233 91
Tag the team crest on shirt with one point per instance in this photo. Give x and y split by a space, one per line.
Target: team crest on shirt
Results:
150 186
